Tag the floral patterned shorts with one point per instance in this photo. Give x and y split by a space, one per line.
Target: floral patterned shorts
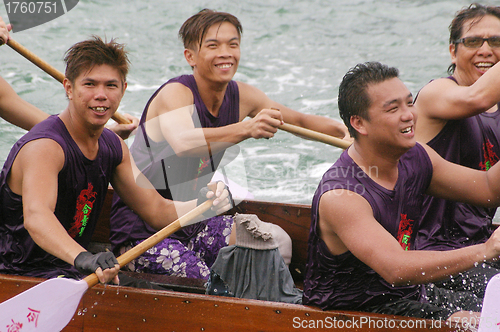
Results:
192 259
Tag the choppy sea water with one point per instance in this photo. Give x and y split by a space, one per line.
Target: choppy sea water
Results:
295 51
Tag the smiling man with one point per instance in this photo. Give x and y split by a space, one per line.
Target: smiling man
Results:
56 177
19 112
361 244
193 119
459 118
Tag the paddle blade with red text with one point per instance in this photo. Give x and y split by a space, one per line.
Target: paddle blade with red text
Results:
49 306
46 307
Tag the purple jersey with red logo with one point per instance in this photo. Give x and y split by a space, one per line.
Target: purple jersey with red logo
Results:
473 142
82 187
343 281
177 178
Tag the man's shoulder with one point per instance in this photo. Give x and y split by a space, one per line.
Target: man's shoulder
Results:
439 82
52 127
417 162
48 135
39 151
432 91
250 97
109 135
176 87
245 88
343 171
172 94
415 152
113 144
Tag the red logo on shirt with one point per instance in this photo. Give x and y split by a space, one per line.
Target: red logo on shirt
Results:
84 205
405 231
204 163
490 157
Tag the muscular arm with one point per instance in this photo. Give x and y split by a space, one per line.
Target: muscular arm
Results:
12 107
140 196
347 223
253 101
173 108
443 99
169 118
34 176
454 182
16 110
4 31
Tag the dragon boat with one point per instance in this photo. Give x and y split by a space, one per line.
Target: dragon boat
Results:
184 306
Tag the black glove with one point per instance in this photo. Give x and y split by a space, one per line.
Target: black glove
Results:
87 263
202 198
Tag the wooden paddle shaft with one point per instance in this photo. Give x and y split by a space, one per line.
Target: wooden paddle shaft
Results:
317 136
154 239
52 71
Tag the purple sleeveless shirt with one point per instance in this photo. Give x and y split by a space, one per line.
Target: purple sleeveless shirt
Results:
343 281
473 142
157 161
82 187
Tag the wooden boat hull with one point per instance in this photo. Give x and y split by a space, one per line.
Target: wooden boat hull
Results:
113 308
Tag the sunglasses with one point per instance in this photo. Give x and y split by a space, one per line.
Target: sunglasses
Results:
477 42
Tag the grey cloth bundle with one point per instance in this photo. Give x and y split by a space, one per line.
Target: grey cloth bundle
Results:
254 267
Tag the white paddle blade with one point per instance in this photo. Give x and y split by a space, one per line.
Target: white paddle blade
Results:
490 314
46 307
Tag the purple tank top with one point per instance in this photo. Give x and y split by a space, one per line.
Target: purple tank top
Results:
82 187
475 143
343 281
157 161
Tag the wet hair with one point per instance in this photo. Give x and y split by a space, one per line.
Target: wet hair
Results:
195 28
353 91
83 56
475 11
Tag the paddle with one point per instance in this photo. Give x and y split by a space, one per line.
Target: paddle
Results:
50 305
317 136
51 71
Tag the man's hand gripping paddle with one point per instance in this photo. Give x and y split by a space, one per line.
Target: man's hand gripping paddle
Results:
50 305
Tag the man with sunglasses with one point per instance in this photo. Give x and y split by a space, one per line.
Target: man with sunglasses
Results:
459 118
477 42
